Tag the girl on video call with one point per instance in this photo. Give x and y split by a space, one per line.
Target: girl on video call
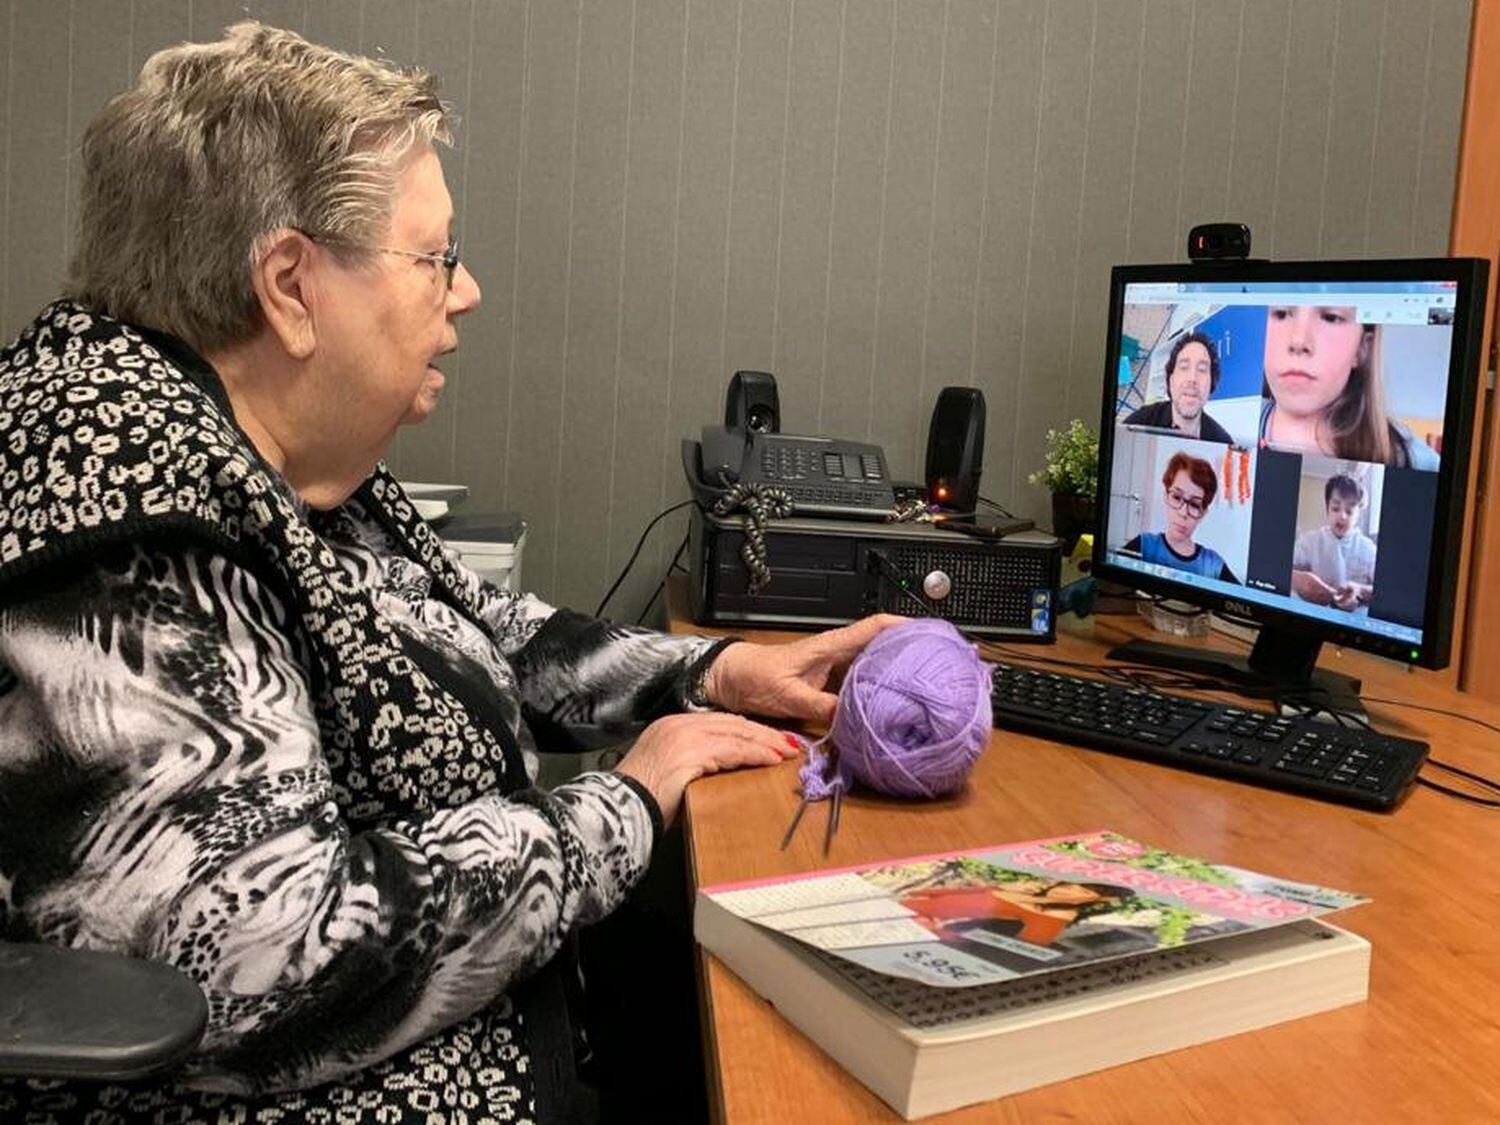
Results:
1190 486
1323 389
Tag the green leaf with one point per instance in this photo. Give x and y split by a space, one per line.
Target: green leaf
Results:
1072 464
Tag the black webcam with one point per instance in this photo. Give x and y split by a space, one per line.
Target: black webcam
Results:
1217 242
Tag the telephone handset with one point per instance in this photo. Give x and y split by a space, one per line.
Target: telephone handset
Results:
723 454
823 476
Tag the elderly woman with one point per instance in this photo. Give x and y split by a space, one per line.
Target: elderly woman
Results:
253 721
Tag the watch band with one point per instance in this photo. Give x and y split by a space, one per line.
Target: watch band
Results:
696 692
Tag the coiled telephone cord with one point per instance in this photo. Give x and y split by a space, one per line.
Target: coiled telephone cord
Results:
760 505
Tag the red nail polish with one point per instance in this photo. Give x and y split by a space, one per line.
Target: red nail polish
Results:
791 740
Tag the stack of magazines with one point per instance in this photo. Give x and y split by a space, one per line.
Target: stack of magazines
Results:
944 980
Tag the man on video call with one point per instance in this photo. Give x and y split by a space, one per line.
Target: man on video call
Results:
1192 376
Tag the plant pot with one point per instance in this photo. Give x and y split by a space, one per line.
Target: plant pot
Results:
1072 516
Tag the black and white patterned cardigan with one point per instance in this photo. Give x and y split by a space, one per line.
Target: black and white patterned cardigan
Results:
290 752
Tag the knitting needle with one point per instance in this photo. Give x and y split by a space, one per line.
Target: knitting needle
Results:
796 820
833 818
831 778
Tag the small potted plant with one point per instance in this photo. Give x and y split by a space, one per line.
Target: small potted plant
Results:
1071 474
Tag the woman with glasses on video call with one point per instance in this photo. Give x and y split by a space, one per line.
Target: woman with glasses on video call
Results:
1189 487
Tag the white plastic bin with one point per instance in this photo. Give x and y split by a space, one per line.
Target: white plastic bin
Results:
489 544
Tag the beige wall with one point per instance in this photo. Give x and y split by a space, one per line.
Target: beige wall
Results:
870 199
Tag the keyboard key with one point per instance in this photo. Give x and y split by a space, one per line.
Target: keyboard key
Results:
1302 769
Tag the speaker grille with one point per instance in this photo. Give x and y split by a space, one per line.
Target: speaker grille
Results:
991 586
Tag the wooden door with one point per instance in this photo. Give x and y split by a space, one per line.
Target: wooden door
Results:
1476 233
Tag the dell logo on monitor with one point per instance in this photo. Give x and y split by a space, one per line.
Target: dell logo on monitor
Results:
1244 609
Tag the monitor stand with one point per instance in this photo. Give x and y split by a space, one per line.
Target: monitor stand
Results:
1281 664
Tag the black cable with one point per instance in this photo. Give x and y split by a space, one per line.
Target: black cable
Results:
1483 802
662 585
908 510
635 554
897 584
1478 779
1159 602
1236 619
1308 703
1305 703
1147 677
1151 678
1468 775
940 518
761 504
1435 710
1144 676
1001 508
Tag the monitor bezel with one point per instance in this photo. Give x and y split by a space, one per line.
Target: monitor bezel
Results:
1470 276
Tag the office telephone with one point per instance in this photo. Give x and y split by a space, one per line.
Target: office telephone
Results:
822 476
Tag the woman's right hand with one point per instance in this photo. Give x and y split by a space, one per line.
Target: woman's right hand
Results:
680 748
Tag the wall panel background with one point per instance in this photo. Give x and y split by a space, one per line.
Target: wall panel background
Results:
871 198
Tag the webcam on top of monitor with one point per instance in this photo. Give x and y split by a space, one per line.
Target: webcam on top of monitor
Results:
1219 242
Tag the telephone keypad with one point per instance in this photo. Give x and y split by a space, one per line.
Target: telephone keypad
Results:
786 463
848 479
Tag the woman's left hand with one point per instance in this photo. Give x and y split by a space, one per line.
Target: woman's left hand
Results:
790 680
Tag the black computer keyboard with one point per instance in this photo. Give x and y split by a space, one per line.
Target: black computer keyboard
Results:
1336 763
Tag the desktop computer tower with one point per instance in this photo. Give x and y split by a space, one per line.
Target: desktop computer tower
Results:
829 572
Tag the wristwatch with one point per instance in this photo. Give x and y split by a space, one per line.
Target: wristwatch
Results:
697 690
696 694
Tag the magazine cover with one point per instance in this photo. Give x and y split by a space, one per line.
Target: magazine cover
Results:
979 917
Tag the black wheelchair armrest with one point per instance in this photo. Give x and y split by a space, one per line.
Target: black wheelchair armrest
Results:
75 1013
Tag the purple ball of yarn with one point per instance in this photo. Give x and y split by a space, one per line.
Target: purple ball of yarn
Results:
914 711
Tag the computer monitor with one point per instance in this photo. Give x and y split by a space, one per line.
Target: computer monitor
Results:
1289 442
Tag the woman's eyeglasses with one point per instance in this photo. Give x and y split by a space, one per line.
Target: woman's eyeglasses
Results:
448 259
1190 504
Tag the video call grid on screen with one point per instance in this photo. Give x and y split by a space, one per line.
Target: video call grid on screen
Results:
1289 456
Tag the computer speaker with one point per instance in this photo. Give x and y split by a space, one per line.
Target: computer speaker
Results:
955 449
751 404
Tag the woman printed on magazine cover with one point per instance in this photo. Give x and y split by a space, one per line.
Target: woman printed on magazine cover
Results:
1038 911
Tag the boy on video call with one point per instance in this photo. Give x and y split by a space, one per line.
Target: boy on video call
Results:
1335 564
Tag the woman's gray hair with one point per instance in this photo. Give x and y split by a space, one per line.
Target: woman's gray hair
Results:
218 146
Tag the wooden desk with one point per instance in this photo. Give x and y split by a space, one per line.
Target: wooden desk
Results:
1425 1047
